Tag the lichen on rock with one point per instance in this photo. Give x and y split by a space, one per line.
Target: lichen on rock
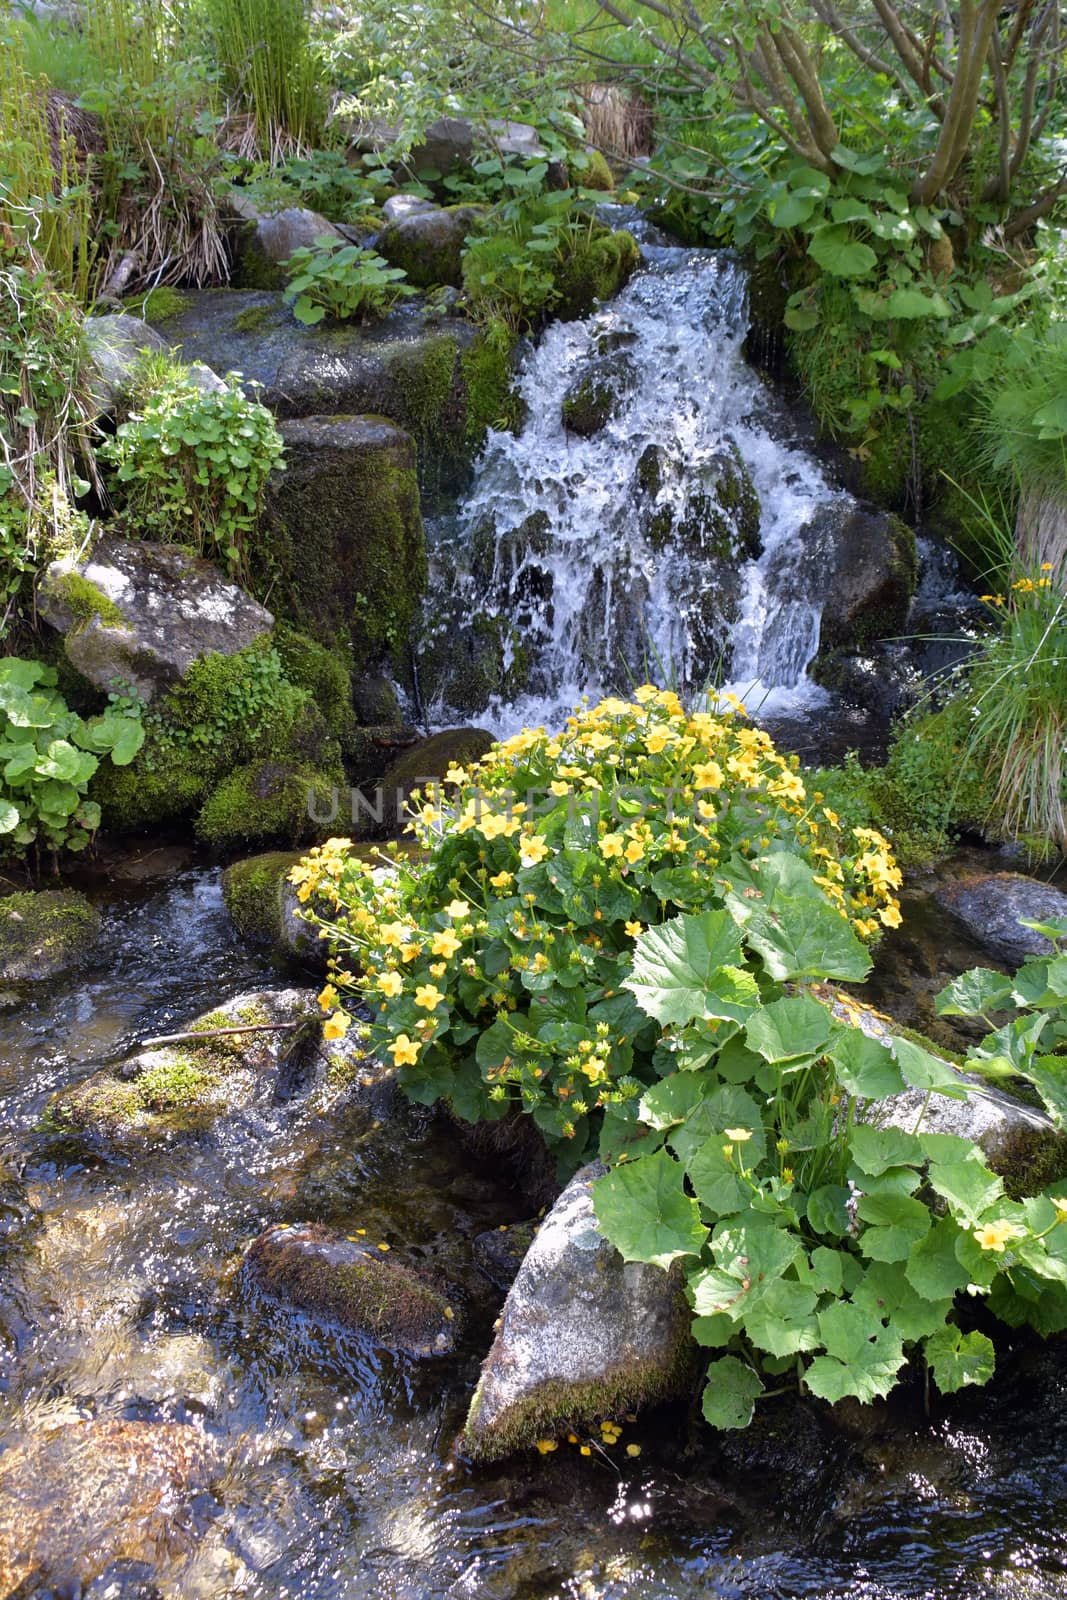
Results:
44 933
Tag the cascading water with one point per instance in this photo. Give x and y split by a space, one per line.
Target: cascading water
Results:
668 527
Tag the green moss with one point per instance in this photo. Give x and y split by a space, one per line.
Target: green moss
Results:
589 169
488 369
1031 1160
324 674
253 317
252 891
43 933
597 266
85 601
159 304
268 801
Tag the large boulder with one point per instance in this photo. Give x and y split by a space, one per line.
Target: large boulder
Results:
266 240
78 1498
428 245
343 530
422 766
270 802
353 1283
114 346
992 907
139 613
583 1335
45 933
863 566
184 1088
436 376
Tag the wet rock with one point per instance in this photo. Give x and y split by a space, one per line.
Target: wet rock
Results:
143 613
375 703
583 1334
425 764
992 907
353 1284
863 566
400 206
262 902
347 505
597 396
44 933
423 370
184 1088
77 1498
428 245
500 1251
114 345
266 240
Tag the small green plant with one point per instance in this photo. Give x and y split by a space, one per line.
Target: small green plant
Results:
343 282
48 755
191 466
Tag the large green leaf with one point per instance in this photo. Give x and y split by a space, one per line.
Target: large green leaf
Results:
839 254
1048 1074
862 1359
865 1066
959 1359
783 1322
642 1207
794 927
9 816
926 1071
674 964
973 993
726 1106
895 1225
874 1150
887 1293
968 1186
730 1393
933 1269
754 1251
797 1028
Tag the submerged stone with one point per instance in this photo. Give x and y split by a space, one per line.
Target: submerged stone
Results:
352 1284
992 907
184 1088
77 1498
140 613
583 1335
45 932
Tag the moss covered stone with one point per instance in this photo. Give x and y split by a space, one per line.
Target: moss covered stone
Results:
349 1283
269 802
596 267
184 1088
589 169
343 534
488 370
44 933
159 304
428 245
254 894
583 1335
84 600
323 673
426 763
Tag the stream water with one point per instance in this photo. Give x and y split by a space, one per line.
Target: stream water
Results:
337 1477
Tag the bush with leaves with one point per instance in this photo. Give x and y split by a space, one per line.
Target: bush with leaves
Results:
48 754
191 466
343 282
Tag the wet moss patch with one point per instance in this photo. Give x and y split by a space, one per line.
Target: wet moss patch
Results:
44 933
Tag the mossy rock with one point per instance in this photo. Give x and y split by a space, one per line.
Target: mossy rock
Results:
428 245
598 265
324 674
350 1284
44 933
588 169
182 1089
254 892
342 535
597 396
427 763
159 304
465 661
270 801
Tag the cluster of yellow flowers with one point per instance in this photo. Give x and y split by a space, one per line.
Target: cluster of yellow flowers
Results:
649 788
1023 586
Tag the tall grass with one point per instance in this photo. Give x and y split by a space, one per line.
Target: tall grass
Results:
270 70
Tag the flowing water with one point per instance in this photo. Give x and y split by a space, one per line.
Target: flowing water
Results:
336 1473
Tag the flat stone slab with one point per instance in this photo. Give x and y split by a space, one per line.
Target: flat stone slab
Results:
140 613
991 907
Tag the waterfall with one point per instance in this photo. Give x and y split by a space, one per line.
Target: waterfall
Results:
667 531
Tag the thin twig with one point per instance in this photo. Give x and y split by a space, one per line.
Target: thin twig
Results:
214 1033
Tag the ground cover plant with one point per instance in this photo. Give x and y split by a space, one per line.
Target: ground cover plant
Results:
624 931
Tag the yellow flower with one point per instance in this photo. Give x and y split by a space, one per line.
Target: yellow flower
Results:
634 928
532 850
438 969
404 1051
738 1135
428 995
546 1446
445 943
328 997
390 983
708 775
727 1150
501 880
457 910
890 915
394 934
832 817
633 1449
1060 1208
645 693
611 845
598 741
995 1235
336 1027
634 851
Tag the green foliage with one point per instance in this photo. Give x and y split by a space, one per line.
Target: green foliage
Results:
816 1241
499 965
343 282
1025 413
48 755
270 69
324 180
192 467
